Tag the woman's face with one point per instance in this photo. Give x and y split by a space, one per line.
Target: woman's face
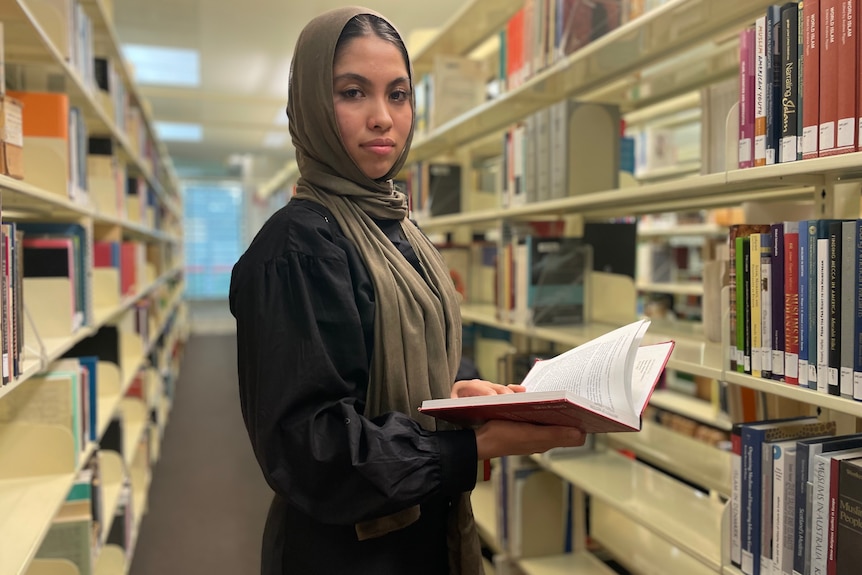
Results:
371 93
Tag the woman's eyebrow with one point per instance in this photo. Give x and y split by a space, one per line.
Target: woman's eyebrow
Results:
363 80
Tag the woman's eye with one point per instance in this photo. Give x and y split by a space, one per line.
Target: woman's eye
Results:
400 95
351 93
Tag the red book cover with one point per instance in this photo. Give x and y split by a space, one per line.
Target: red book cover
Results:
587 387
829 16
791 305
103 254
845 80
128 268
811 79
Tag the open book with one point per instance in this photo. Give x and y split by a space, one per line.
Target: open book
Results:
600 386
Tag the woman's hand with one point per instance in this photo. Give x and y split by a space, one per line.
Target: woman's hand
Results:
474 387
499 437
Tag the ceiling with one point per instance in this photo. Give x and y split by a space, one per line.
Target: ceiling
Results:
244 50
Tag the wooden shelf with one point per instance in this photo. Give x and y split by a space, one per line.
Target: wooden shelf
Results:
27 507
583 563
682 516
466 29
26 41
683 456
640 549
661 33
692 353
485 512
687 230
691 407
690 288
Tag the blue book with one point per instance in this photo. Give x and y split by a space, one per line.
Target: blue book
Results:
806 450
91 364
754 436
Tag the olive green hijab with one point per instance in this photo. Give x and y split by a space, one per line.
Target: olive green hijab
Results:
417 327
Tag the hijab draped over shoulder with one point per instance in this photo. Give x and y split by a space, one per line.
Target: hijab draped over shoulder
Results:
417 327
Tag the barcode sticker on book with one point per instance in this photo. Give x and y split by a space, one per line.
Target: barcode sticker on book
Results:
827 136
846 136
809 140
788 149
745 150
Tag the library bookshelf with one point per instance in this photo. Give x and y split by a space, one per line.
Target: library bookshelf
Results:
38 464
665 510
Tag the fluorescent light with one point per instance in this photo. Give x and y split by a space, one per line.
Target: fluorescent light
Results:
159 65
179 132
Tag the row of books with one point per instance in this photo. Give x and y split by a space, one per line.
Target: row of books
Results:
796 488
798 83
543 32
795 314
54 134
69 27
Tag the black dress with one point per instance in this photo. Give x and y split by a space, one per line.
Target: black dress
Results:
304 304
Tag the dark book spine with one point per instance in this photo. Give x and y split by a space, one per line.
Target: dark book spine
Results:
777 294
848 537
790 80
746 299
857 316
773 83
834 291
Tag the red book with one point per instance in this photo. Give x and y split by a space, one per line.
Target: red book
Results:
600 386
829 16
128 268
791 303
105 254
811 79
845 138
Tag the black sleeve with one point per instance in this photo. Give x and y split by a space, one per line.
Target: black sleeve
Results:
303 371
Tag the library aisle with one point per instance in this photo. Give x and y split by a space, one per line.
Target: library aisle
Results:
208 500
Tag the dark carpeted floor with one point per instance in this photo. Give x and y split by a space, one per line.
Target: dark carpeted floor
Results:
208 500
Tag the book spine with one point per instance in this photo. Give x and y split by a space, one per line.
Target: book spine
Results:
813 304
822 309
802 328
735 495
833 513
761 87
790 81
791 303
778 298
773 82
747 251
765 286
847 298
811 79
834 303
741 297
828 76
731 280
799 543
800 70
746 97
847 78
751 489
857 316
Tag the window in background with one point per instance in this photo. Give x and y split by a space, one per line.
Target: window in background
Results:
214 218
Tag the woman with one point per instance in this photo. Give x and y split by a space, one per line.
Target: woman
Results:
346 321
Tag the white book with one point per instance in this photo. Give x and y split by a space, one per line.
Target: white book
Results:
822 296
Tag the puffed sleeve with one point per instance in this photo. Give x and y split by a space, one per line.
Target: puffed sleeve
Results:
303 371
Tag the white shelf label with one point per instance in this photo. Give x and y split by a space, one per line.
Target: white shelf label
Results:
788 149
777 362
770 156
744 150
827 136
809 140
846 132
760 148
791 365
